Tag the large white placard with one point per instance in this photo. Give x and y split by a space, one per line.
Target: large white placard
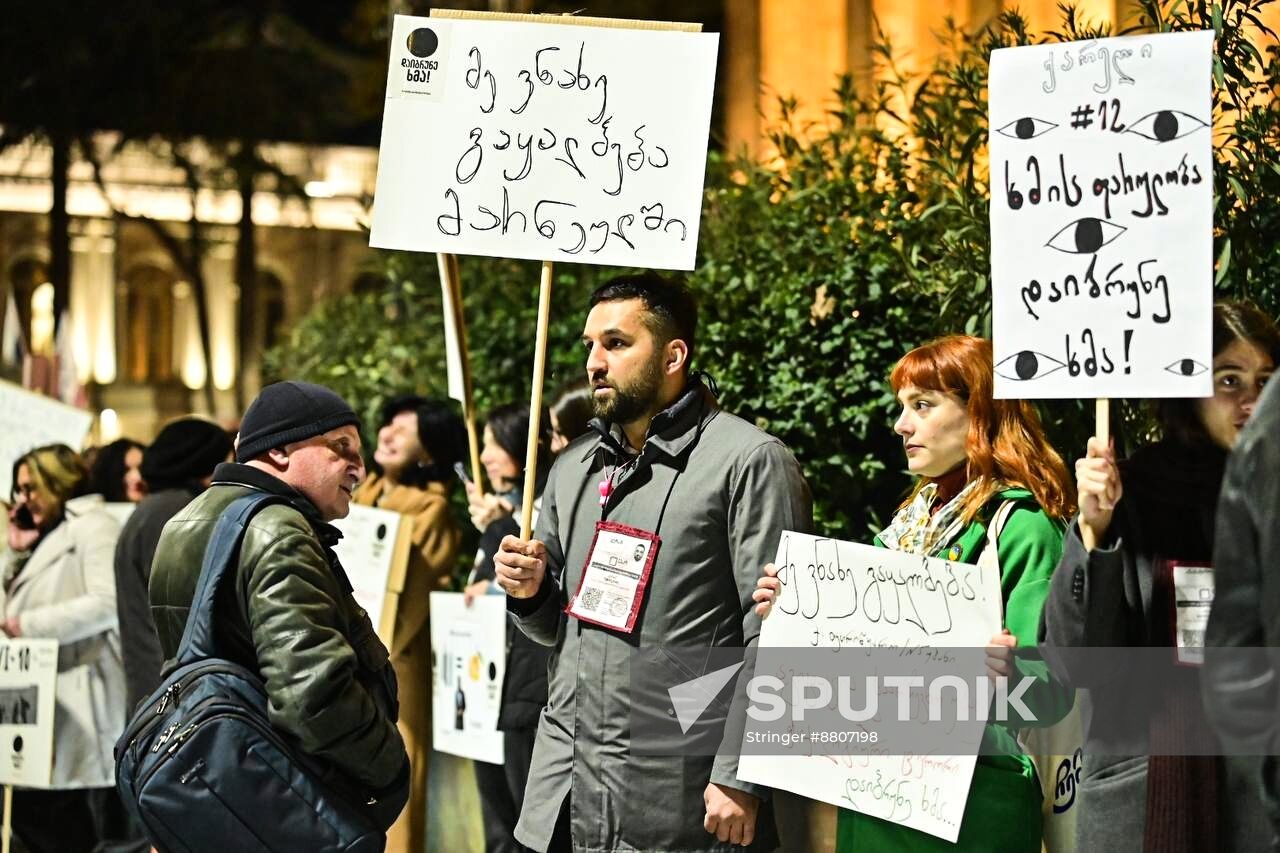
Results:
368 553
28 673
544 141
468 663
838 594
1102 218
30 420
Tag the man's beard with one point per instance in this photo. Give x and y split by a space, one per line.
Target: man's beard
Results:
632 401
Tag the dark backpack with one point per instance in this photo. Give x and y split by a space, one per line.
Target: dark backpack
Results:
199 764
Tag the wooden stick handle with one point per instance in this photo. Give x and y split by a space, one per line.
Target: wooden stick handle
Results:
451 282
535 401
474 441
7 830
1102 419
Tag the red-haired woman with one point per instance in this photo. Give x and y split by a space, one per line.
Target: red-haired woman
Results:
977 459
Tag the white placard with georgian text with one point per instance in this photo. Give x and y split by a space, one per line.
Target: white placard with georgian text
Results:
843 595
545 141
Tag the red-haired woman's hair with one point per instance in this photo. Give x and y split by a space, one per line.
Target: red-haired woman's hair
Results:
1006 445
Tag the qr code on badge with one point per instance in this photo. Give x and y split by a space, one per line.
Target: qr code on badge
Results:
590 599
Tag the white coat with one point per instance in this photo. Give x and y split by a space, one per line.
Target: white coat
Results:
66 591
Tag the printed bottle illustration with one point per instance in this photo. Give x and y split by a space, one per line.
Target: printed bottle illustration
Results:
459 703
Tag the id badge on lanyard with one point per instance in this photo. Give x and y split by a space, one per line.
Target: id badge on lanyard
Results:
1192 601
615 577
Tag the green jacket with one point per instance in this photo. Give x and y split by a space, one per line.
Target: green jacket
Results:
1003 812
291 618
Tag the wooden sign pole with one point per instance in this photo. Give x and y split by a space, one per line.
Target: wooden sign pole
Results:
6 831
1102 419
535 401
451 283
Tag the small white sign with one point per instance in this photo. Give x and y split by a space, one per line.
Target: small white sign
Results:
1192 601
1101 174
28 673
545 141
367 551
468 663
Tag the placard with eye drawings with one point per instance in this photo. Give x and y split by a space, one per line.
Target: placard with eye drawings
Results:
1102 217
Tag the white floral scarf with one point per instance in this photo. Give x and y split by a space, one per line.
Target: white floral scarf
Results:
915 530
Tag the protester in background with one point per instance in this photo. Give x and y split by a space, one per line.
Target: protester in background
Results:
705 494
570 413
58 585
177 467
978 460
524 684
419 441
506 484
569 416
1244 625
1114 588
117 472
293 620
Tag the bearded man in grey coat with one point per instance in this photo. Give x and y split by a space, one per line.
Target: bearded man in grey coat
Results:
653 530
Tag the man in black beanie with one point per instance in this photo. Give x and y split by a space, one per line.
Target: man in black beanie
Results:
290 615
176 467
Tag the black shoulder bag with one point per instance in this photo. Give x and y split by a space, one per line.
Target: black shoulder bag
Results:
199 764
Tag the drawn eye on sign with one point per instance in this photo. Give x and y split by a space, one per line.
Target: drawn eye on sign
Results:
1085 236
1027 127
1102 246
1166 125
1186 367
1028 365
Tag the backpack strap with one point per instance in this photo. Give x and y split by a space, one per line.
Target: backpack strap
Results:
220 554
990 556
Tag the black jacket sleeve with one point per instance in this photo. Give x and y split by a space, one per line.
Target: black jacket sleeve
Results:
1239 676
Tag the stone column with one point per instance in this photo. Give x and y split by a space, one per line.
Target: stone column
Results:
92 302
222 294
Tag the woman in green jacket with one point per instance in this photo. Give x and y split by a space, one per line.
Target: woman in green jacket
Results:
979 461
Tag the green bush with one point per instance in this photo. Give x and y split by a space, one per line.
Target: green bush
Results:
866 236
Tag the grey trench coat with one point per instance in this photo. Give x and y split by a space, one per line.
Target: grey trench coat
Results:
718 491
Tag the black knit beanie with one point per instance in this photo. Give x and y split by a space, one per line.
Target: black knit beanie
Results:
287 412
185 451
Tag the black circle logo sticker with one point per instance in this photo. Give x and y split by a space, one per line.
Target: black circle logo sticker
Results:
17 744
382 532
423 42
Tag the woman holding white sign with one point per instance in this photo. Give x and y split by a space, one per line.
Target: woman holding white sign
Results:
1136 573
419 441
524 681
60 584
987 474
